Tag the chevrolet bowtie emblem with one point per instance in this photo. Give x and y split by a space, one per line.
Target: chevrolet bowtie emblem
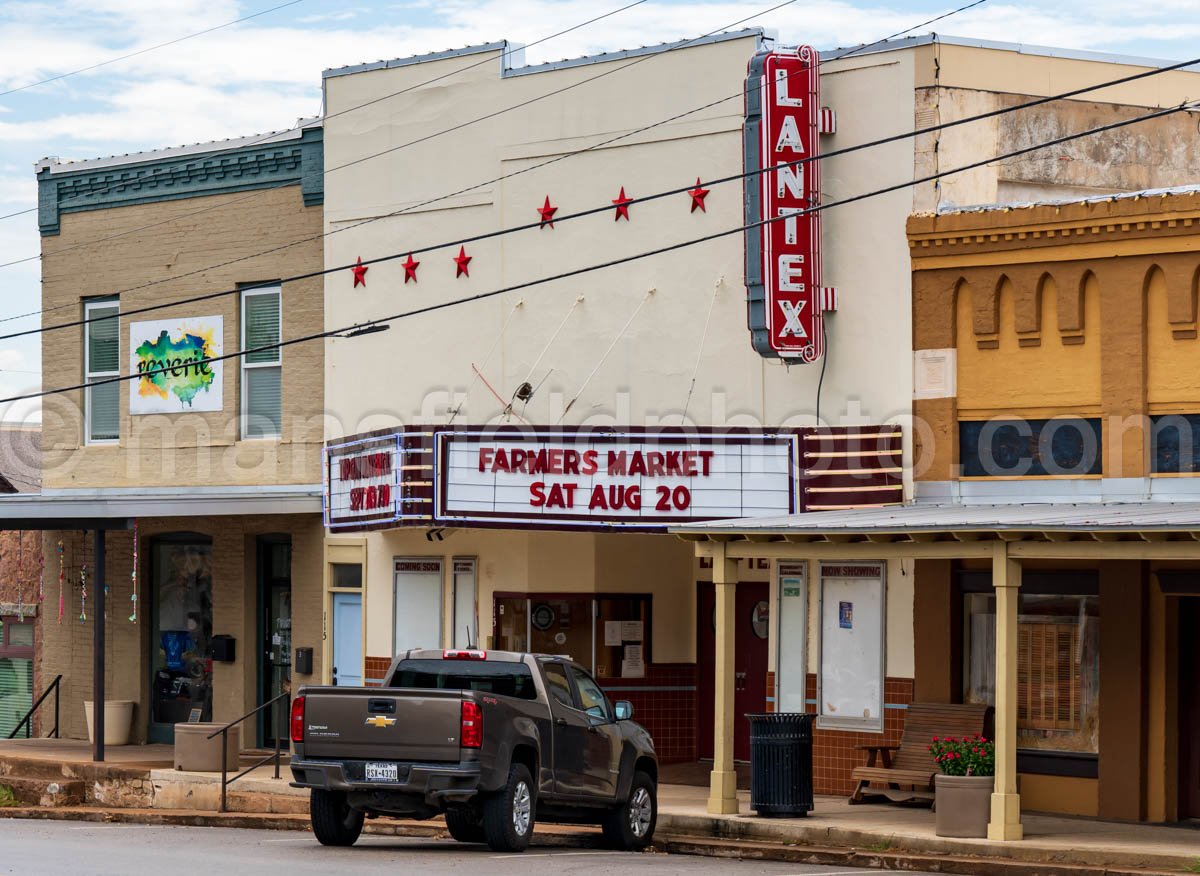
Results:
380 721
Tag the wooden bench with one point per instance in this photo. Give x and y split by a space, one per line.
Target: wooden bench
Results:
906 770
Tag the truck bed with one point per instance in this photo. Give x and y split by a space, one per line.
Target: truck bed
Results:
397 724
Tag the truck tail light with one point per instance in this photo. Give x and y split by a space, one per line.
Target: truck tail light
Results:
464 654
472 725
298 719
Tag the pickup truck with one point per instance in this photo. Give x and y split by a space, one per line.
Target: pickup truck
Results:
494 740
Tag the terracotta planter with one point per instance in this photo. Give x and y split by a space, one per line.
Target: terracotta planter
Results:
963 805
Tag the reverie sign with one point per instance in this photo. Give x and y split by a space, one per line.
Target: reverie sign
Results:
626 479
169 355
786 302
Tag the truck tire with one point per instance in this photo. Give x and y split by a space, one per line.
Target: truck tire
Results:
334 823
631 825
464 826
508 814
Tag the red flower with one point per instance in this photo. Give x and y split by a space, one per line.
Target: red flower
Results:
935 739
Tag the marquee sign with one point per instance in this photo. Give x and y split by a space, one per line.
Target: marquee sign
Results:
612 480
786 302
362 484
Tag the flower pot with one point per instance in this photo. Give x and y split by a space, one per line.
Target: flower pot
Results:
963 805
118 720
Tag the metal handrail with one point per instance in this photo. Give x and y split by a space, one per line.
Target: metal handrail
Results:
27 721
224 734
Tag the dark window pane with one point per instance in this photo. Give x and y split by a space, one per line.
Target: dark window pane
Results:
1174 448
502 678
1030 448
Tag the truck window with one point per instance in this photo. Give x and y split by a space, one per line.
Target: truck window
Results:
494 677
594 701
556 680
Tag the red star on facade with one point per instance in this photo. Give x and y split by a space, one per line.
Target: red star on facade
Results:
410 269
461 261
547 213
622 204
698 195
360 273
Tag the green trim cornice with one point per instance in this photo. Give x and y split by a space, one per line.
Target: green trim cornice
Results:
299 161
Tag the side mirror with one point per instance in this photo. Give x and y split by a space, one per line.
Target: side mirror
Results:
624 710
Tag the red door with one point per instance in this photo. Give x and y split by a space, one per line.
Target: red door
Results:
1189 710
751 622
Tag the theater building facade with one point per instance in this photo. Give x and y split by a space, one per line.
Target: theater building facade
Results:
505 467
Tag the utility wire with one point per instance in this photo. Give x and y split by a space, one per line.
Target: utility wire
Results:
537 224
142 52
267 136
739 94
430 308
830 154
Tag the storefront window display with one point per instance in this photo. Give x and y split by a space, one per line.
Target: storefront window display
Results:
183 617
609 634
1058 667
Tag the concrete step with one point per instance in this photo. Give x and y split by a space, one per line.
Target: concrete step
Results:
43 791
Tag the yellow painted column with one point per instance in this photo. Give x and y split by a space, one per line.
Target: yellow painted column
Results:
1005 822
722 795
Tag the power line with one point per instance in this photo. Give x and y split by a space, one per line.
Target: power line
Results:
683 44
430 308
262 137
588 212
144 51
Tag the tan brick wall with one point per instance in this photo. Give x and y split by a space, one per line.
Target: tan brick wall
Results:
66 647
196 448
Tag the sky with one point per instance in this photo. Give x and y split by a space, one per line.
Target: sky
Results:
264 74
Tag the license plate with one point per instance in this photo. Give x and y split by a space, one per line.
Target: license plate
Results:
382 772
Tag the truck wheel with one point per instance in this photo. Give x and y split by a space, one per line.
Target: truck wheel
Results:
631 825
464 826
508 813
334 823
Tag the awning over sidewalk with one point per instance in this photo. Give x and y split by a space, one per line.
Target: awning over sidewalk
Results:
1006 534
923 523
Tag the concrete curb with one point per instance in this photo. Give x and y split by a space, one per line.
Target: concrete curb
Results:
1028 853
666 840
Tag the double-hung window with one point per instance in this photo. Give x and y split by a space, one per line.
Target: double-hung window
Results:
262 371
101 359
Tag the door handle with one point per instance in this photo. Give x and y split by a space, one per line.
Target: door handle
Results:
593 730
561 722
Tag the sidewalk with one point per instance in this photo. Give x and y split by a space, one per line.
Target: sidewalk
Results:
139 784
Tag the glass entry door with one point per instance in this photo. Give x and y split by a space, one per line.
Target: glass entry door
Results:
274 634
181 633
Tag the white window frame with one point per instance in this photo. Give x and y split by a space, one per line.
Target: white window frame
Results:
89 375
248 366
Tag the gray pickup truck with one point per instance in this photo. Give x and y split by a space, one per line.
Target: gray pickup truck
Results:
494 740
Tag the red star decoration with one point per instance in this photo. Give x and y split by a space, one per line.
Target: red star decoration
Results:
547 213
360 274
622 204
410 269
698 195
461 261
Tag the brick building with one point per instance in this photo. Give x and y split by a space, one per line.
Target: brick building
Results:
207 473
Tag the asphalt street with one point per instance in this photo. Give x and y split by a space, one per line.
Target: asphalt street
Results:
65 847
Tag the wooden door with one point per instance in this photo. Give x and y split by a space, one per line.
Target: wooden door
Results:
751 622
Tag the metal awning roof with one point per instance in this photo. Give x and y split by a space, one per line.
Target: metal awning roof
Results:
111 508
923 522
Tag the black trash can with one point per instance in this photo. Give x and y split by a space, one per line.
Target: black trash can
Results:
781 763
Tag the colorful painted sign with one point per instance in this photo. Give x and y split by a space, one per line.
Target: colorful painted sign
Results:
635 479
169 355
786 302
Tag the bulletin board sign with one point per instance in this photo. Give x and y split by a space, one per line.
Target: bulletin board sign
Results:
853 624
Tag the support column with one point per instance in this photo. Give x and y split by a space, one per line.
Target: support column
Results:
1005 822
98 693
722 795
